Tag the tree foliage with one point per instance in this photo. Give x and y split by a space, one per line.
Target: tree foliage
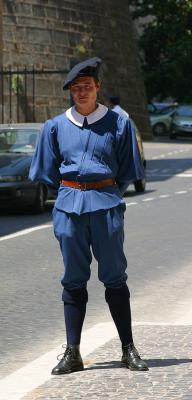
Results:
166 44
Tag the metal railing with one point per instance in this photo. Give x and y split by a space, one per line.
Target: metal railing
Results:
12 87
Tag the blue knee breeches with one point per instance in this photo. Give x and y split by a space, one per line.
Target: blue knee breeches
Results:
100 231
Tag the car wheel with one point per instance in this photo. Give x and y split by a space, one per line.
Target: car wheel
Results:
159 129
41 195
140 185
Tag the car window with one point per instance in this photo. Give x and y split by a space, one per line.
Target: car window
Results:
18 140
166 110
184 111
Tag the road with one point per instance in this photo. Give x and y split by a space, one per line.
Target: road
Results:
158 234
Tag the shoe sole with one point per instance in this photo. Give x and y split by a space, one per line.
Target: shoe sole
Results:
134 369
70 371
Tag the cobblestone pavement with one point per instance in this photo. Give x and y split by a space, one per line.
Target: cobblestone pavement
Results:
168 351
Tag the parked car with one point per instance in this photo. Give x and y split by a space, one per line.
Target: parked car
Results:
155 107
161 120
140 184
17 145
181 122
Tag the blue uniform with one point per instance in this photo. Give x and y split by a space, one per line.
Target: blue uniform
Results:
105 147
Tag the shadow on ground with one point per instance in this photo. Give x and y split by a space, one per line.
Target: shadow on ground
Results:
152 363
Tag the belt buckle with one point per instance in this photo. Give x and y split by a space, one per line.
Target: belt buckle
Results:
83 186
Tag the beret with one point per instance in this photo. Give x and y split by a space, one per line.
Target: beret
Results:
88 67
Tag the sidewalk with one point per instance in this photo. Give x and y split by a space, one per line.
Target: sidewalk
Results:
168 351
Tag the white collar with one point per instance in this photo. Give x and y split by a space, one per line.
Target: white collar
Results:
78 118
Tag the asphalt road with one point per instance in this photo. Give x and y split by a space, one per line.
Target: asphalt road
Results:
158 232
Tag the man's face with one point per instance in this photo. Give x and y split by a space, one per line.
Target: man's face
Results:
84 91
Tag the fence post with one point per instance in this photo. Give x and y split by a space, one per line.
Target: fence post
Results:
2 96
33 94
17 93
25 95
10 93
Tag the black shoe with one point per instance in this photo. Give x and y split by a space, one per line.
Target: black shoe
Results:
132 360
70 362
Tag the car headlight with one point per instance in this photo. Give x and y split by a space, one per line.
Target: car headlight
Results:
178 123
11 178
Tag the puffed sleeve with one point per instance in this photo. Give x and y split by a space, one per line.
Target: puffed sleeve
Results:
130 165
46 160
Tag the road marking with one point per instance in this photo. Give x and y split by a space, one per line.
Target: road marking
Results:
153 170
16 385
163 196
181 192
149 199
131 204
25 232
171 153
186 175
162 175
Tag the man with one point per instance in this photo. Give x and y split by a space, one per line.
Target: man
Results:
88 155
115 106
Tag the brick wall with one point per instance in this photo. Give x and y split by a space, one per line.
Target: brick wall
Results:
51 34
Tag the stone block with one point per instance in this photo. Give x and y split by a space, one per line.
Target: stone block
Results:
60 37
51 12
38 35
38 10
24 9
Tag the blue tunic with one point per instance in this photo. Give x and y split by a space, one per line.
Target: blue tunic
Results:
105 148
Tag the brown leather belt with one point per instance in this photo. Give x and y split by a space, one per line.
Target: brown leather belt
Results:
88 185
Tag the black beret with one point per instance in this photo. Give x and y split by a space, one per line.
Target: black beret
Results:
88 67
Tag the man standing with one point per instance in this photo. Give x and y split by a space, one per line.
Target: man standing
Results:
88 155
115 106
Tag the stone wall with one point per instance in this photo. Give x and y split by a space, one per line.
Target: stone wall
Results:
52 34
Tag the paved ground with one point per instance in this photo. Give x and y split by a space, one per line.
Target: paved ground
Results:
168 351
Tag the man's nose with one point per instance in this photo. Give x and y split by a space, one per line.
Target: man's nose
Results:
82 90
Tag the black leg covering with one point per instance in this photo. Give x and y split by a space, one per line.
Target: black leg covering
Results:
119 305
74 313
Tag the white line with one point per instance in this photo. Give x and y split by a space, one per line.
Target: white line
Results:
149 199
186 175
131 204
25 232
19 383
181 192
168 175
163 196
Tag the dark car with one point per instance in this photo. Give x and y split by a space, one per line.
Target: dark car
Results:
181 122
17 145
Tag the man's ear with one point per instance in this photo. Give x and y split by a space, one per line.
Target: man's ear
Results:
98 85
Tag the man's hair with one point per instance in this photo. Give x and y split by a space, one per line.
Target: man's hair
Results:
115 100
